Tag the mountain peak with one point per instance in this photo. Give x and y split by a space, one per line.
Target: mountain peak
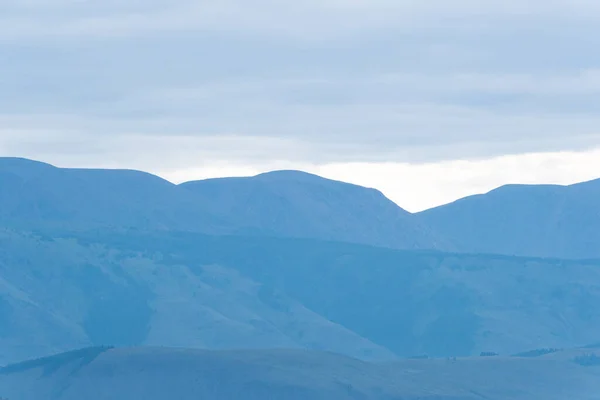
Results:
526 220
24 168
302 177
21 163
288 174
300 204
277 177
297 176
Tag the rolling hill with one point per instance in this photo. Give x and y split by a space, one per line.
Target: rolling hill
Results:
523 220
527 220
288 260
298 204
159 373
284 203
35 195
75 289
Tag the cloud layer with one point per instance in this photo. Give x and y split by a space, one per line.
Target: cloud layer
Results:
165 85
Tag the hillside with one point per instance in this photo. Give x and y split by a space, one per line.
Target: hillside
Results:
298 204
523 220
69 290
34 195
528 220
284 203
159 373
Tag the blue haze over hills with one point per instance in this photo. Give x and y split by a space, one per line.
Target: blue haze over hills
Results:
523 220
289 260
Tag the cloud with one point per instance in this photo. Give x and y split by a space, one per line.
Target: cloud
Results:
312 19
417 187
411 118
421 186
414 186
180 84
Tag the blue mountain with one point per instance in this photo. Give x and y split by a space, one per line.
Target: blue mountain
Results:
528 220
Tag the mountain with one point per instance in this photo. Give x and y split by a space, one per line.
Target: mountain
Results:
298 204
57 293
109 257
34 195
160 373
286 203
528 220
60 291
523 220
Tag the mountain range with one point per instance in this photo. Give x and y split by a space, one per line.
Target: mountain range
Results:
289 261
282 203
523 220
532 220
69 290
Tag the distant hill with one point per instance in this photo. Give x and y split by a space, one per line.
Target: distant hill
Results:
524 220
75 289
34 195
298 204
284 203
529 220
160 373
288 260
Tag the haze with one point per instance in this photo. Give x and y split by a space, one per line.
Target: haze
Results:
447 98
292 200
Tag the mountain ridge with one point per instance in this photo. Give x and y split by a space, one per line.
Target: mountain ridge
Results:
298 265
298 204
549 220
556 221
288 203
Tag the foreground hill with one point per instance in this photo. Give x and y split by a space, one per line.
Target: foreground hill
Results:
530 220
157 374
286 203
59 292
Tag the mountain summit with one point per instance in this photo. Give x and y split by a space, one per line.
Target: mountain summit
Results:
279 203
299 204
524 220
35 195
528 220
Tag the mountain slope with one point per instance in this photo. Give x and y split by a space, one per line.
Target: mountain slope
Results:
156 374
529 220
34 195
286 203
298 204
59 292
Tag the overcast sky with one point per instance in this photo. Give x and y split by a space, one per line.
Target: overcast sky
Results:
427 100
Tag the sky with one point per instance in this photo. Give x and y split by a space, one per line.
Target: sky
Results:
426 100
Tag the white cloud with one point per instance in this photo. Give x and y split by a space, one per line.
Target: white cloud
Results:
312 19
420 186
584 81
313 134
381 88
416 187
